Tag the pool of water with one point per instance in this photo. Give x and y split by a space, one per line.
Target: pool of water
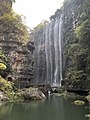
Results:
53 108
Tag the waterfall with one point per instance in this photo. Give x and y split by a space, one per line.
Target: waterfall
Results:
48 53
60 48
50 50
56 37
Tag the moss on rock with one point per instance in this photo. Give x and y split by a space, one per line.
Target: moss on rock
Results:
79 102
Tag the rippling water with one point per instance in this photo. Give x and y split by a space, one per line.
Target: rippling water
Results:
53 108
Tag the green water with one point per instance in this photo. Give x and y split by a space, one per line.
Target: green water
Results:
53 108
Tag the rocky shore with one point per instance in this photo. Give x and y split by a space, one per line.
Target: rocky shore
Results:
23 95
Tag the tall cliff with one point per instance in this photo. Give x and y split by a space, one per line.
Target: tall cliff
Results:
76 43
62 46
13 34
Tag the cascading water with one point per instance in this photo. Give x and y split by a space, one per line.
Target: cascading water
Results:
60 48
56 41
48 53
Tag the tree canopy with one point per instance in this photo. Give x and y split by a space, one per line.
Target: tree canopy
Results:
12 27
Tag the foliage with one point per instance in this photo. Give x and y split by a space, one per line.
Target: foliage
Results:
14 1
8 88
5 85
41 25
57 13
77 51
2 57
82 32
2 66
83 35
5 7
12 27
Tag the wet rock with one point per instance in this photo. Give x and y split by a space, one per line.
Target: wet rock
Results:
79 102
88 98
3 97
72 95
33 94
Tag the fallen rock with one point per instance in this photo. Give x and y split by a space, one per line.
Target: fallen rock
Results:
32 94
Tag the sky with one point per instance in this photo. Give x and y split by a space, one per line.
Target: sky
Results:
35 11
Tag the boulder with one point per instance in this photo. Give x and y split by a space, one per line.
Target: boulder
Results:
3 97
32 94
88 98
79 102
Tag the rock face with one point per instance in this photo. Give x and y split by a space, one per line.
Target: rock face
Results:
23 67
32 94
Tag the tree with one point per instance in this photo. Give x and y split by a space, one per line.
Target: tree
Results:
41 25
77 47
4 65
83 35
12 26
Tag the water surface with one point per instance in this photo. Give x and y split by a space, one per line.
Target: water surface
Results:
53 108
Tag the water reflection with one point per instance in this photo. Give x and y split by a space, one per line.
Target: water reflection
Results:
31 105
5 108
53 108
88 115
